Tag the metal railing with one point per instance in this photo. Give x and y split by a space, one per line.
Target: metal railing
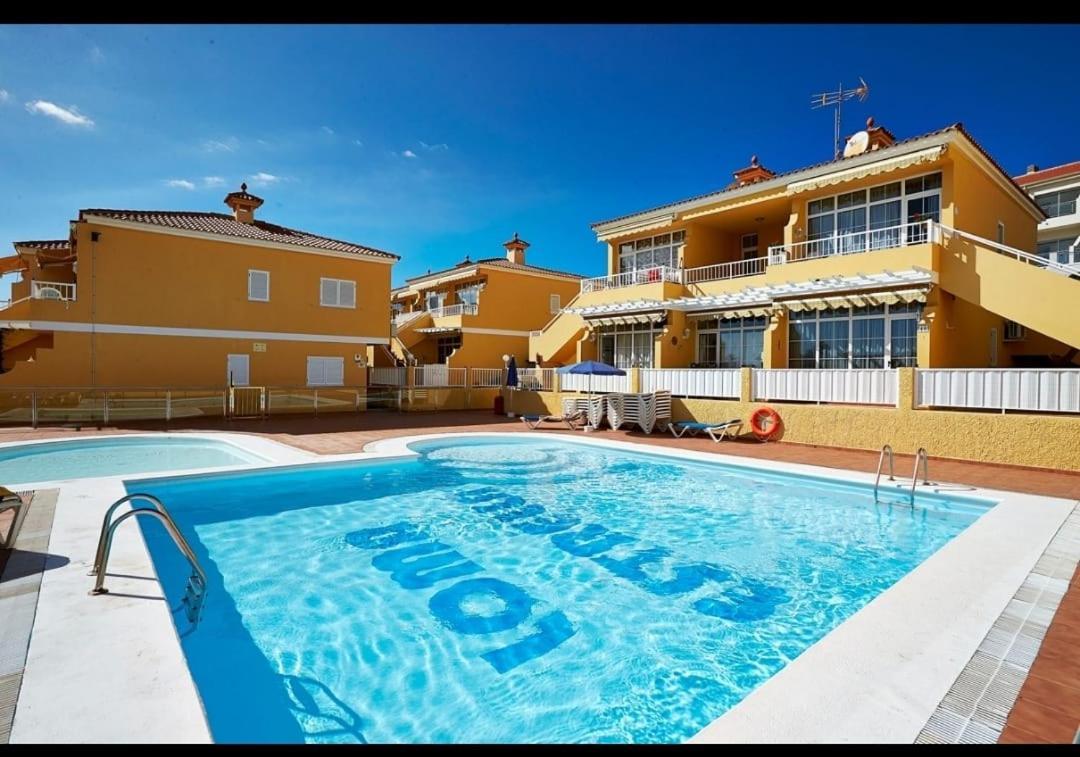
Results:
52 290
486 377
438 376
1068 269
870 240
632 278
195 591
537 379
736 269
462 308
1054 390
389 376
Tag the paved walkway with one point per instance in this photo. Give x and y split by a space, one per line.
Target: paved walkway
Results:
1048 709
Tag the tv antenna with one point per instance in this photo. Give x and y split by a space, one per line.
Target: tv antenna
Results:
837 97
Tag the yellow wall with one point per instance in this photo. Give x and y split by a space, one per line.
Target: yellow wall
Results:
133 277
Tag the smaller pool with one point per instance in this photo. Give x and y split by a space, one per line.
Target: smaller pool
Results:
111 456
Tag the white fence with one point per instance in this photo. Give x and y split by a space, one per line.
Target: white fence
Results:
572 382
438 376
1040 389
862 386
486 377
387 377
723 383
632 278
537 379
462 308
719 271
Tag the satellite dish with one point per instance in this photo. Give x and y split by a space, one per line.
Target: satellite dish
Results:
856 144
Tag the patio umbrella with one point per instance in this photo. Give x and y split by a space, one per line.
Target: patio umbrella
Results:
592 368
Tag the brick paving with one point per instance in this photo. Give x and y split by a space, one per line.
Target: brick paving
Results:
1048 709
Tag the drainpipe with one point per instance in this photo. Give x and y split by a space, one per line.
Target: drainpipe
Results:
94 237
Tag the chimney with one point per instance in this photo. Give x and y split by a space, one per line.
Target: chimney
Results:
752 173
1032 168
879 135
515 249
243 204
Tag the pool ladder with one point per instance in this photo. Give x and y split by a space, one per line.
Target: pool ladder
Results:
194 592
920 457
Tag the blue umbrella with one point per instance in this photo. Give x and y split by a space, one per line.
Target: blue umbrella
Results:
592 368
511 372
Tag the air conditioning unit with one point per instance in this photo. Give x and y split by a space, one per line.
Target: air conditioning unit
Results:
1014 332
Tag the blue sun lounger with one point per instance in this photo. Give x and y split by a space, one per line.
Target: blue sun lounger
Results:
716 431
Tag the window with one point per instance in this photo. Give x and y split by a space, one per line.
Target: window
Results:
337 293
434 300
258 286
554 303
628 346
1057 251
642 254
1014 332
325 371
870 337
888 215
469 295
731 342
446 345
1061 203
749 245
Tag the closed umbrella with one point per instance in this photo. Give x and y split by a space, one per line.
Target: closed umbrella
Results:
511 380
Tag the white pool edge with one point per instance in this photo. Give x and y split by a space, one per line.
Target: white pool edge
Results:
877 677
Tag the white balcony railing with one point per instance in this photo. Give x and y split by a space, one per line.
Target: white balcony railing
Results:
632 278
1054 390
736 269
386 376
487 377
462 308
917 232
863 386
52 290
536 379
400 319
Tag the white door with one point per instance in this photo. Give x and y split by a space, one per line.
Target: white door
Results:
237 370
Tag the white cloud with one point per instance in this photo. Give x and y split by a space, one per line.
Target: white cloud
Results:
180 184
70 115
5 96
213 181
358 143
326 130
434 148
408 154
96 55
229 144
262 179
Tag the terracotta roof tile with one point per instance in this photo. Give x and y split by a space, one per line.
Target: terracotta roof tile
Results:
1046 174
226 225
46 244
881 150
499 262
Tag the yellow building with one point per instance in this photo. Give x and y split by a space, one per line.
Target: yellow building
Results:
906 253
183 299
476 312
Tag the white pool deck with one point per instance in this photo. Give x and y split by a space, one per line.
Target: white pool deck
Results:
110 668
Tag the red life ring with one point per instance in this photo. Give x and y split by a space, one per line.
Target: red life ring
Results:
765 423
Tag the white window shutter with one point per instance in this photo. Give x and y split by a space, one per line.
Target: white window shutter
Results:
314 371
258 285
348 294
328 292
554 304
335 371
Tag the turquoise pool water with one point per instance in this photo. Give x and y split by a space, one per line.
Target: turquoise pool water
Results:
530 590
112 456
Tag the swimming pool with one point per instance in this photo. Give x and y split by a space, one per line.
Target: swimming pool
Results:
115 455
530 590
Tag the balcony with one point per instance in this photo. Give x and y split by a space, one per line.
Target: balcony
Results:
45 290
447 311
892 237
654 275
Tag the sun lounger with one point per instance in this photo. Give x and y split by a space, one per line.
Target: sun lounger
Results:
577 416
716 431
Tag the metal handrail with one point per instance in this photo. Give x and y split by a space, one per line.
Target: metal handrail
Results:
1021 255
196 589
881 460
920 457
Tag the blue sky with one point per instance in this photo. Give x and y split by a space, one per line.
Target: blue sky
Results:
440 141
